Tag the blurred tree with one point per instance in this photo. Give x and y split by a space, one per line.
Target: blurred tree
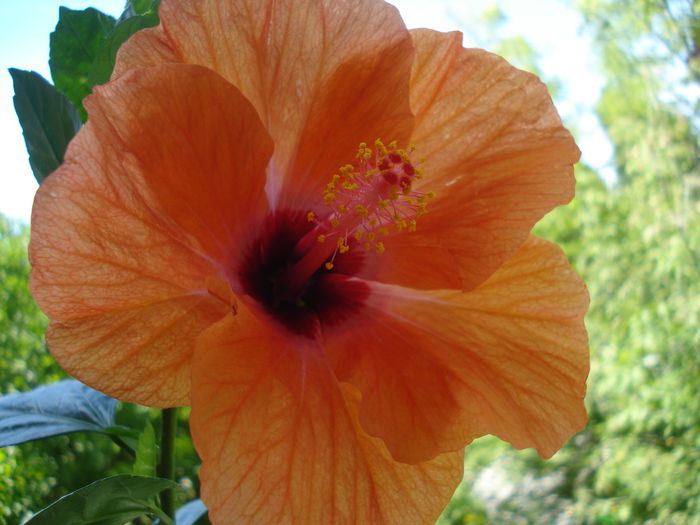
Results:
645 280
637 244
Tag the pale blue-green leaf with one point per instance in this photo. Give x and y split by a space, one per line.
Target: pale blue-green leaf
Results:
189 513
50 410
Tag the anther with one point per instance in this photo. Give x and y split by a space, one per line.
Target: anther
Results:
379 191
370 199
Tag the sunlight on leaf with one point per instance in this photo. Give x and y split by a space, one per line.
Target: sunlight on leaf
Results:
60 408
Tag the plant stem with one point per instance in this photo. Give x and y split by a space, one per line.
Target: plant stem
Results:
166 466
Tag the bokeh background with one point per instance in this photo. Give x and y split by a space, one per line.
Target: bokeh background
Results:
625 75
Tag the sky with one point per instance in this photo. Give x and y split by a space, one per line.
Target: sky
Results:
551 26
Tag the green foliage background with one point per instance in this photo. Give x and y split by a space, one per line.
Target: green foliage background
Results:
636 243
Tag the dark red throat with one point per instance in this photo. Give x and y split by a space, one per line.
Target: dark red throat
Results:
327 299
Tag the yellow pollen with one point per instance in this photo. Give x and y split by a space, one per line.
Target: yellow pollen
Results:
361 210
329 266
379 191
342 246
363 152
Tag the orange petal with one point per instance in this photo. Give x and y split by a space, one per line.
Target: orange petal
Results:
141 354
193 144
323 75
509 358
498 159
138 223
148 47
280 442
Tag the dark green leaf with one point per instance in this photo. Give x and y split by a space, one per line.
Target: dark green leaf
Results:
60 408
104 61
146 453
109 501
75 43
48 121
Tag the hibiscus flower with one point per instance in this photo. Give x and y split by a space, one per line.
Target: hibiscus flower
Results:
313 226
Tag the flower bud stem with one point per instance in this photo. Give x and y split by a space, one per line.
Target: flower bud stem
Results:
166 465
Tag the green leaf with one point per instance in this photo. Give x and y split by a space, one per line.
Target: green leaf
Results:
48 119
75 43
85 43
103 64
109 501
146 453
139 7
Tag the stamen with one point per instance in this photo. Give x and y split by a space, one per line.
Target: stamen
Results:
375 193
365 201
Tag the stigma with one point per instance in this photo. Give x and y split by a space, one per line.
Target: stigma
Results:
371 198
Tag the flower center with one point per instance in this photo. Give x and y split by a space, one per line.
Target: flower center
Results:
366 202
302 264
327 299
